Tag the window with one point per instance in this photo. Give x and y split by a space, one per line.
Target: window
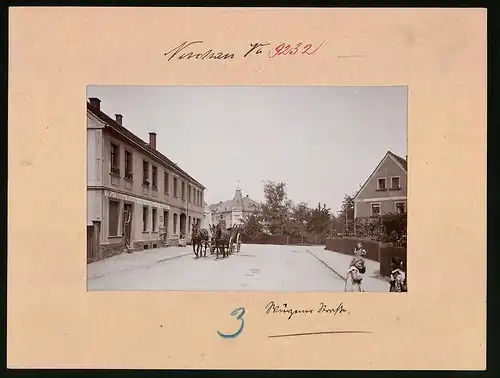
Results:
155 177
395 183
129 175
381 184
175 222
201 199
145 219
166 189
115 159
153 213
375 209
145 173
175 187
190 224
400 207
114 214
189 193
183 188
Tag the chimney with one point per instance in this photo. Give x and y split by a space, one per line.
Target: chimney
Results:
247 195
152 140
95 102
119 118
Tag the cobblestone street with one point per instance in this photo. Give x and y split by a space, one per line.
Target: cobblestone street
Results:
254 268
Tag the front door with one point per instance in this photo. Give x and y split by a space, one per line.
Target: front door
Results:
127 223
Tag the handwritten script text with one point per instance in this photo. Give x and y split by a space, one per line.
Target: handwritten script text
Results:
273 308
195 50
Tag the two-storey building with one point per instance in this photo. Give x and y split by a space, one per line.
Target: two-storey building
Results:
232 212
385 190
137 198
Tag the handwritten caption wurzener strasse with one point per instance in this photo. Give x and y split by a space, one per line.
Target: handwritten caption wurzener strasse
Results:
197 50
273 308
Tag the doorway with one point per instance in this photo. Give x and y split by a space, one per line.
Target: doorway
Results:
127 223
182 222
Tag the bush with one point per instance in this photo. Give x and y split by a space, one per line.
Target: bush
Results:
388 228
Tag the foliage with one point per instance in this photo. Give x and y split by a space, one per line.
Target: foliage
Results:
388 228
280 216
252 224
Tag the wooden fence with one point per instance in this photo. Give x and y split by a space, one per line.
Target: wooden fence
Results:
285 240
376 251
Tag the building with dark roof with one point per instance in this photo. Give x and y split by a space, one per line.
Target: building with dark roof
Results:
232 211
137 198
385 190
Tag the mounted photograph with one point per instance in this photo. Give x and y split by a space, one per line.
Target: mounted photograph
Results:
297 189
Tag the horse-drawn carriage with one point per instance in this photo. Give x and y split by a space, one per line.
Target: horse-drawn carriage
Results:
217 239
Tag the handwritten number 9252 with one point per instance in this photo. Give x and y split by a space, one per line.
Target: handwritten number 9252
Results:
286 49
239 312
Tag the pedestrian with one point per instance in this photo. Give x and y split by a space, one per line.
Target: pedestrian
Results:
398 276
357 268
354 276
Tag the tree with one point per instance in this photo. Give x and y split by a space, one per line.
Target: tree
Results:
251 224
277 208
347 208
319 221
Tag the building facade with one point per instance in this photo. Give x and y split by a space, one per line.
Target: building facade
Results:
207 217
385 190
136 197
231 212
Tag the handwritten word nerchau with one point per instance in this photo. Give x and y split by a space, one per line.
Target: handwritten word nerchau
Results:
181 52
273 308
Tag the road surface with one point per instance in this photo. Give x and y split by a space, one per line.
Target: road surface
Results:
254 268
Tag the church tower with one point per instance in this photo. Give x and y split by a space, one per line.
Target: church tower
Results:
237 209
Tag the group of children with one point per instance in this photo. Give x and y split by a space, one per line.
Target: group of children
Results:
357 268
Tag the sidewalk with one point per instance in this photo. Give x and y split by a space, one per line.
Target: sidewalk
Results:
339 263
130 261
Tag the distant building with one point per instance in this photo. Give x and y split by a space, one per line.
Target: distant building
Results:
207 217
385 190
136 197
232 211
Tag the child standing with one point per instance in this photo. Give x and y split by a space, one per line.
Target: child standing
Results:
356 270
398 276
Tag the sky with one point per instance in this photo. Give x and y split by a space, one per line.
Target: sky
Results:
323 142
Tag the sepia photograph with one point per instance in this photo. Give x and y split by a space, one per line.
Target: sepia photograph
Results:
300 189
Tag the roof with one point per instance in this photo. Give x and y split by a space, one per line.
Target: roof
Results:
398 159
112 124
227 205
401 161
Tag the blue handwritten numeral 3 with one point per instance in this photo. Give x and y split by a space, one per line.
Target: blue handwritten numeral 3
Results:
239 312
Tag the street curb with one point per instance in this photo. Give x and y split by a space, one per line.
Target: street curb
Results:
328 266
138 266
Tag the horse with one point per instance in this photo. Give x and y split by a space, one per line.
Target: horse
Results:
235 238
199 237
221 240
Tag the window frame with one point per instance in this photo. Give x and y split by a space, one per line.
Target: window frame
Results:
378 183
114 169
154 220
176 187
396 206
154 177
129 175
399 182
166 182
379 204
145 222
145 180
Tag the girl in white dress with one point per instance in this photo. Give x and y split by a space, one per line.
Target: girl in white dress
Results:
356 270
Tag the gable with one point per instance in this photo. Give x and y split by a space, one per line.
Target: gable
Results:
388 168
